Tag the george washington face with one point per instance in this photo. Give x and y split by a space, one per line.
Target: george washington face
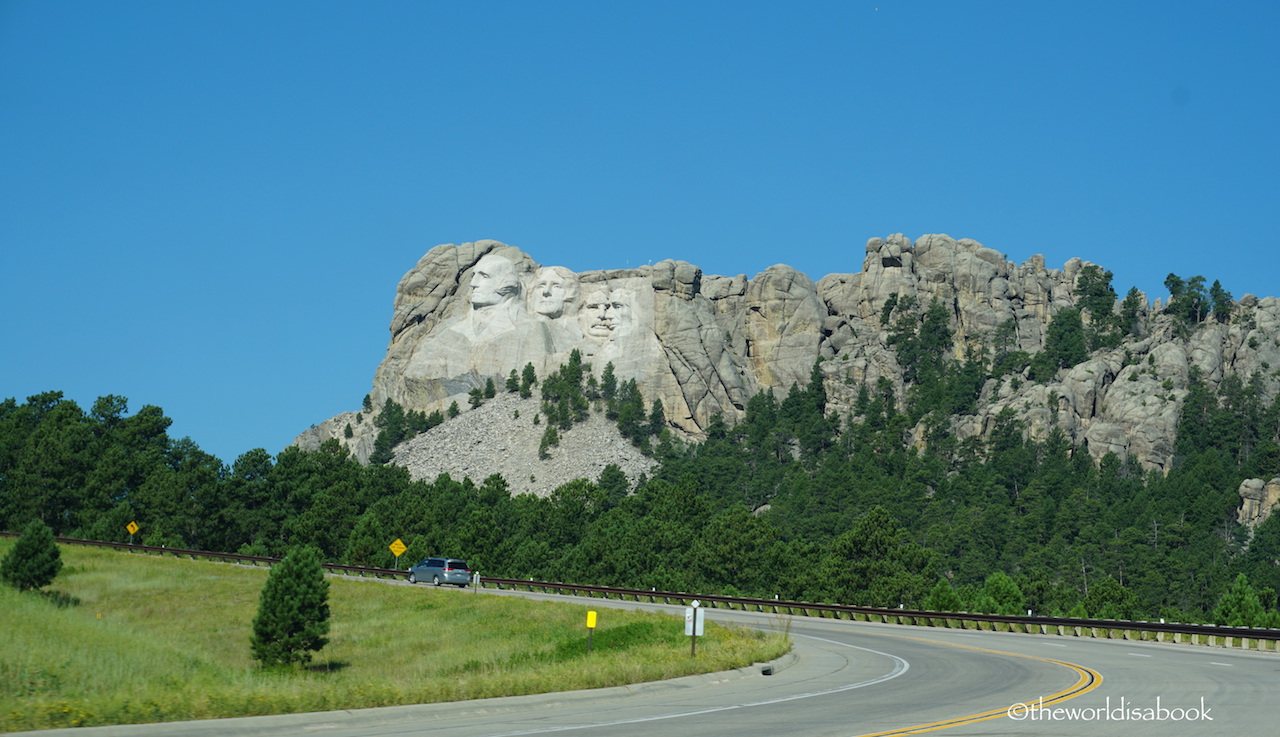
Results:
493 281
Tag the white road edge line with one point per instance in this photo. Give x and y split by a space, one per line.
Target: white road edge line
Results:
900 667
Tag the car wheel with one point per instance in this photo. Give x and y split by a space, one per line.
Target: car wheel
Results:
413 578
435 580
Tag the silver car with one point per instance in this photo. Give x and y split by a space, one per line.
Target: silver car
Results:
441 570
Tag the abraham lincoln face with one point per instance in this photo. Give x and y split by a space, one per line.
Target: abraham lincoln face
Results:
605 314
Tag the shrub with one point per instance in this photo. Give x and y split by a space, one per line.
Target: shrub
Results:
34 560
293 612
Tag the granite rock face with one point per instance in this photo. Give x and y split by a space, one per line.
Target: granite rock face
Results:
1258 500
705 344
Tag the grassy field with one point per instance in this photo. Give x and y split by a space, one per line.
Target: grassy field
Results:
128 638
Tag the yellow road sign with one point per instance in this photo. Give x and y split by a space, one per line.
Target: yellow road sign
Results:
398 547
132 527
591 620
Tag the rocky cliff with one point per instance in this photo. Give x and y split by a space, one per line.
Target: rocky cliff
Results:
704 344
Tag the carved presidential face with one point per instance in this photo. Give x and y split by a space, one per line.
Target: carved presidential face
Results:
597 316
620 309
554 287
493 280
605 315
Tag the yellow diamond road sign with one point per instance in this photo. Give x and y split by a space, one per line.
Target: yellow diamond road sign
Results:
132 527
398 547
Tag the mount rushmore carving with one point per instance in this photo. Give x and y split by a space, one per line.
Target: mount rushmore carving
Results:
512 313
705 344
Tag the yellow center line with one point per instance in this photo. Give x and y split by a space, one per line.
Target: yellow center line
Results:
1088 680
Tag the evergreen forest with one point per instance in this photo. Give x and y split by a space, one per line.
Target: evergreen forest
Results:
793 501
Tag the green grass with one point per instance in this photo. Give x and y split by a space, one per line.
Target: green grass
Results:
126 638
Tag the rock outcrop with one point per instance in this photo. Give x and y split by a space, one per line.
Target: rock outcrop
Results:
1258 500
705 344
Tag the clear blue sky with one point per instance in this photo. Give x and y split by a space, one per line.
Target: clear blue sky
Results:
206 206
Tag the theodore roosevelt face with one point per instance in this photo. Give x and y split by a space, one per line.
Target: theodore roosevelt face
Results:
597 315
604 314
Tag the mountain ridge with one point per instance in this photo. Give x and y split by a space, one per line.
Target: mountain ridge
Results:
704 344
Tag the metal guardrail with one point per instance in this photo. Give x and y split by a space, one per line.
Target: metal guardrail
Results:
1109 628
210 555
1043 625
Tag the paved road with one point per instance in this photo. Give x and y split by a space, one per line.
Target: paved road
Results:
853 678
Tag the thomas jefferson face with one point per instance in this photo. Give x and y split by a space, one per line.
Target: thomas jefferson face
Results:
553 288
493 280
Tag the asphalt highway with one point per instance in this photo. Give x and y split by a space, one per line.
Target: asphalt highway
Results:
848 679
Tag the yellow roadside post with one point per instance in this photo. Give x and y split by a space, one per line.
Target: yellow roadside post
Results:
591 627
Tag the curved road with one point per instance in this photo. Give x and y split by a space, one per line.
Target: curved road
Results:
853 678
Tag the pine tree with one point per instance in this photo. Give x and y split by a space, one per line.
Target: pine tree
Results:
608 382
382 450
293 611
34 560
549 438
1220 301
1240 606
657 418
817 392
528 377
1004 591
943 598
630 411
1064 345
